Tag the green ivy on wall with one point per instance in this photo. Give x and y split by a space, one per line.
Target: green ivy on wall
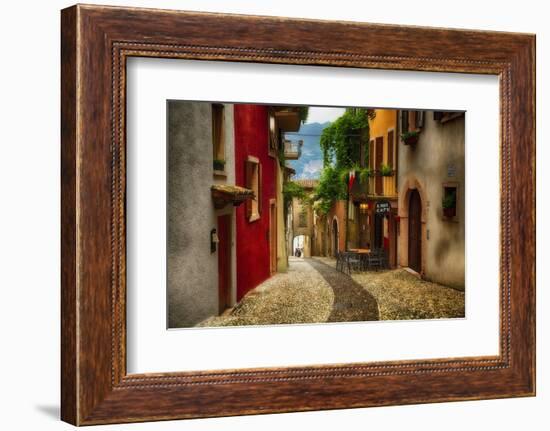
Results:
341 147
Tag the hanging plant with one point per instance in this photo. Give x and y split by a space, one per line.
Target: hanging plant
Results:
410 138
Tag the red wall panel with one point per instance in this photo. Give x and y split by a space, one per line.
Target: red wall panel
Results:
251 139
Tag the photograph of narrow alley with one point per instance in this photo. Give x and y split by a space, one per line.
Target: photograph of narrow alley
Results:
301 215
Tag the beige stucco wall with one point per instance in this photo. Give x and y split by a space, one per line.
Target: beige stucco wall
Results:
282 258
192 270
437 158
297 206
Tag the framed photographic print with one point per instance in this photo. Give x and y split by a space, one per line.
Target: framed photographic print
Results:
270 215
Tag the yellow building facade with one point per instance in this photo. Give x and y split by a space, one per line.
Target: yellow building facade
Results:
374 199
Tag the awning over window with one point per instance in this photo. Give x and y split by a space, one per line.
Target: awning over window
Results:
223 194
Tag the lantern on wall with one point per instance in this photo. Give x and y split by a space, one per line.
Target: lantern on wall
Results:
363 207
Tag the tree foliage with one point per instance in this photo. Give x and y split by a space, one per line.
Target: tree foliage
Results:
341 147
293 190
330 189
304 113
341 141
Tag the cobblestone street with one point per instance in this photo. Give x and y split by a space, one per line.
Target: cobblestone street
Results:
313 291
403 296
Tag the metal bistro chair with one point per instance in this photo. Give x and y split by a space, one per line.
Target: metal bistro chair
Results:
377 259
339 261
364 257
353 261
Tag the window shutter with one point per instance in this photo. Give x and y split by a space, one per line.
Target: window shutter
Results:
390 148
419 119
371 154
404 121
217 131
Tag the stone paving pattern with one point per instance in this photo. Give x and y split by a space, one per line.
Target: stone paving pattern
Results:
312 291
403 296
300 295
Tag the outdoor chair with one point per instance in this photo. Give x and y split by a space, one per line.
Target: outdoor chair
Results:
364 257
339 262
352 261
377 259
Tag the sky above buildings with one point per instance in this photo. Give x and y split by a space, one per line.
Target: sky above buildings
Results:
322 115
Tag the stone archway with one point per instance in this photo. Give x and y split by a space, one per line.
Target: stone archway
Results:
303 243
411 186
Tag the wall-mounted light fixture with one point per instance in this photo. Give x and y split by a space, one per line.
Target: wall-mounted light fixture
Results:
363 207
214 240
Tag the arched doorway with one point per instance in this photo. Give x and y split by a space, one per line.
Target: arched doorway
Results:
415 231
334 237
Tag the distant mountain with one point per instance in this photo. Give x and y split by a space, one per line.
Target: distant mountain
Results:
309 165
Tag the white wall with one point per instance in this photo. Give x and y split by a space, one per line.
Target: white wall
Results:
29 220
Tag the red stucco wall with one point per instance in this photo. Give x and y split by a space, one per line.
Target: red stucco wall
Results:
251 139
338 209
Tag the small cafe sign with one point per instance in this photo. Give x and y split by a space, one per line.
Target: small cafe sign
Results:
383 207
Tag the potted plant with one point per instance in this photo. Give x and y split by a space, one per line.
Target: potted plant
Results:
410 138
449 205
364 174
386 170
219 165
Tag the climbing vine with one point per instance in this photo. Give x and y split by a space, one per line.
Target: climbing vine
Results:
341 141
341 147
304 113
293 190
330 189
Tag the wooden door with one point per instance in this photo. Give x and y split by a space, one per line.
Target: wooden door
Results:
415 231
379 161
224 262
272 237
378 231
363 230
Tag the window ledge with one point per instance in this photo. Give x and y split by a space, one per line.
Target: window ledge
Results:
254 217
220 173
453 219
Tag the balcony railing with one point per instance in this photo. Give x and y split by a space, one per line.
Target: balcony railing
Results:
293 150
376 186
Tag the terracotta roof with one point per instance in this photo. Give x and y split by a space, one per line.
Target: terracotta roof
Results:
307 184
